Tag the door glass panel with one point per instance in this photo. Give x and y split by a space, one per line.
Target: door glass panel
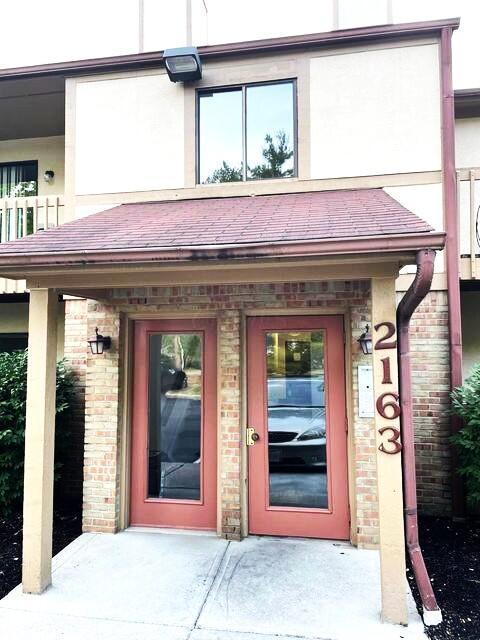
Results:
296 419
175 416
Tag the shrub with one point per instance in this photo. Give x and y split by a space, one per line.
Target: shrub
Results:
13 393
466 404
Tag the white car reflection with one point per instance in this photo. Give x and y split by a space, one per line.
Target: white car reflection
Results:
296 422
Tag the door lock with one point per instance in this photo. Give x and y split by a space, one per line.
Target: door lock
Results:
252 436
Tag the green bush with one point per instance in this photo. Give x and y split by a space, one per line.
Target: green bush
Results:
466 404
13 392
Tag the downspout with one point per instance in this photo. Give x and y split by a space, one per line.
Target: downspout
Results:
452 257
410 301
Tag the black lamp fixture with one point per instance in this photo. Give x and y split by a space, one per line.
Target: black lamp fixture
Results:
183 64
100 343
365 341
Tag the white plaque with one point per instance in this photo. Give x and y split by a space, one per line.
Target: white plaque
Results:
365 391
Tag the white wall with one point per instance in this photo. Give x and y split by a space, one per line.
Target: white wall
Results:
50 154
467 142
129 134
426 202
375 112
14 319
464 215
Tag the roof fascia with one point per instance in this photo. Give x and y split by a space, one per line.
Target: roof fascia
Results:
269 45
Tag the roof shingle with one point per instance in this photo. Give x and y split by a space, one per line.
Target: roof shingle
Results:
236 221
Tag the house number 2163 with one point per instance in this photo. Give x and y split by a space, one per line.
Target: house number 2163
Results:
388 403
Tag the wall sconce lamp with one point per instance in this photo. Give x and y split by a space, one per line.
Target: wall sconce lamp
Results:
100 343
49 175
365 341
183 64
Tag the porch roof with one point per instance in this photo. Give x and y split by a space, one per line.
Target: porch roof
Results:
295 224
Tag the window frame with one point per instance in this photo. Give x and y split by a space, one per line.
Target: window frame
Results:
244 86
9 335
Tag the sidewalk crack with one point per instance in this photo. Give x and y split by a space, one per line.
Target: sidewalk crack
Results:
209 590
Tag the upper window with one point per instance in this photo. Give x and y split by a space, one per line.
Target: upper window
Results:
18 179
247 133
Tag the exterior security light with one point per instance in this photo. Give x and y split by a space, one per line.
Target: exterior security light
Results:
365 341
183 64
100 343
48 176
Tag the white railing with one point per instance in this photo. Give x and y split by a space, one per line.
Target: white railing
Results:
20 217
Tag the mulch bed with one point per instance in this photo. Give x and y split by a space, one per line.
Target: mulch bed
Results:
67 526
452 554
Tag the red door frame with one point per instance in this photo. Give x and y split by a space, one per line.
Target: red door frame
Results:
331 523
161 512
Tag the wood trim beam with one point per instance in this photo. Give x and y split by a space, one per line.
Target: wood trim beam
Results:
80 282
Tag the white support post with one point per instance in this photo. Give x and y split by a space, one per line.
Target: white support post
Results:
39 441
389 460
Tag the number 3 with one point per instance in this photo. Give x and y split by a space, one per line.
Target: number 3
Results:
397 446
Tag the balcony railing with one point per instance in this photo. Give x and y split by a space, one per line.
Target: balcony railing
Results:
20 217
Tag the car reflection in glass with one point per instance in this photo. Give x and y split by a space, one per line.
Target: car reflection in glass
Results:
296 423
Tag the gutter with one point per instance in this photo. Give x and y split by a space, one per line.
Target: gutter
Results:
410 301
12 257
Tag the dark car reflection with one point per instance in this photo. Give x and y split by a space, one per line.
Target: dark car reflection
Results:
174 464
296 423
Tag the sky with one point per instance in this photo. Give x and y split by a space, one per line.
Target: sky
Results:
35 32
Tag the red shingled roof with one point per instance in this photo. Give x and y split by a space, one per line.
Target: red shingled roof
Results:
213 223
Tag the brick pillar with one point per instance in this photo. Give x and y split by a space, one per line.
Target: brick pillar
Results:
229 358
75 353
101 493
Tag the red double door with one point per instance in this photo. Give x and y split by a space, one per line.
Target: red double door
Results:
296 434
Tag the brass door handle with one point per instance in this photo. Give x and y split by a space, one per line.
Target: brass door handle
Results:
252 436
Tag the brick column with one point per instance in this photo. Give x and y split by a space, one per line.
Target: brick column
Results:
229 459
101 493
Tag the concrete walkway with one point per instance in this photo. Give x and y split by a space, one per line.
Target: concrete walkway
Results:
175 586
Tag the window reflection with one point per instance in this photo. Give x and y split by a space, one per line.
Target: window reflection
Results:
247 133
296 419
221 136
174 436
270 131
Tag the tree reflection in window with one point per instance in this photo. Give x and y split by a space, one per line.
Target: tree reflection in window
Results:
247 133
276 153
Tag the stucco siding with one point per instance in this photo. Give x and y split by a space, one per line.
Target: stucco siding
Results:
370 109
129 134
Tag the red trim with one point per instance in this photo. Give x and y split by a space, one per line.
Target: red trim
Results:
452 246
252 47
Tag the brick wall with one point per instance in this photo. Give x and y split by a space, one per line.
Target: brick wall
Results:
103 406
431 385
101 495
76 359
